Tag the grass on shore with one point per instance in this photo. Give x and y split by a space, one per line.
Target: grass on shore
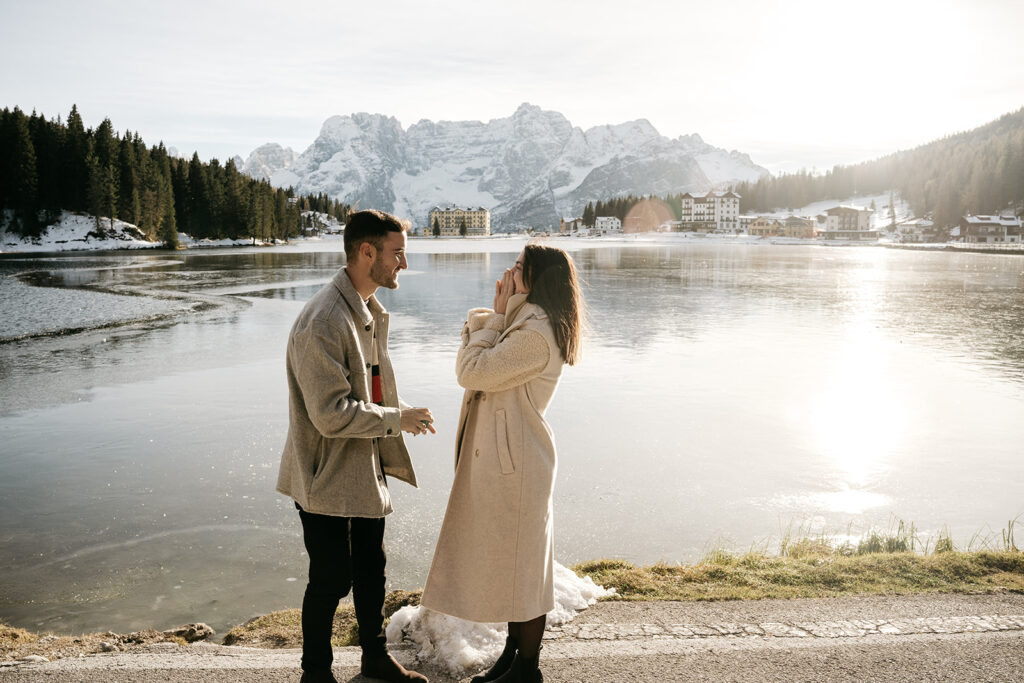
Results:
753 576
284 628
895 562
17 643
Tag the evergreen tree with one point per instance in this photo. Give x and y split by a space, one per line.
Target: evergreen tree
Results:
105 150
24 176
588 215
215 197
77 148
437 228
234 202
168 233
48 140
198 199
462 228
129 201
182 195
280 200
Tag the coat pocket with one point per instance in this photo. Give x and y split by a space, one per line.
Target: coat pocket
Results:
501 437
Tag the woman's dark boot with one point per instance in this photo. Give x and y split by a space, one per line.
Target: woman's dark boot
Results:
530 671
503 664
522 670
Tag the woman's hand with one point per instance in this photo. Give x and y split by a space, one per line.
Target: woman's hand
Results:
503 291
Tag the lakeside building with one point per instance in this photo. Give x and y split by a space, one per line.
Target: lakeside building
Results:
990 229
769 226
766 226
916 230
804 228
451 220
745 223
607 224
573 226
713 212
849 223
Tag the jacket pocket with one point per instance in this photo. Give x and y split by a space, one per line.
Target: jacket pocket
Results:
501 437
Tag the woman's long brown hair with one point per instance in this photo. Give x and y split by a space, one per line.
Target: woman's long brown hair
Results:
550 275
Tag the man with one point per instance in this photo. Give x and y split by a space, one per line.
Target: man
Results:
344 438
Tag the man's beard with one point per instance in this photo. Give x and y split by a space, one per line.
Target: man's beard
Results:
382 276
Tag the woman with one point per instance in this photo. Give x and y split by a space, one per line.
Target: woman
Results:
493 561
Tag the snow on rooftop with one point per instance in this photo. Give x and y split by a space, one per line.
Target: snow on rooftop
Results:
1009 221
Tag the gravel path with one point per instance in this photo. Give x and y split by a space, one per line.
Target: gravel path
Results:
933 638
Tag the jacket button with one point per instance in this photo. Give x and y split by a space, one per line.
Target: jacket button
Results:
367 328
367 365
477 453
389 431
380 478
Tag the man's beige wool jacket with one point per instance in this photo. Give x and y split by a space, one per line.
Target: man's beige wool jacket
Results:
340 444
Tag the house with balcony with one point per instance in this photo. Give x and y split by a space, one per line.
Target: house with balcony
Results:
605 225
916 230
849 223
766 226
713 212
796 226
990 229
572 226
454 221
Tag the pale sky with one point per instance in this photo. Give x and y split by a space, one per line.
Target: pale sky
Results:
802 83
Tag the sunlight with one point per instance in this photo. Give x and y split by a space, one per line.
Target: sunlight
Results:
858 420
849 501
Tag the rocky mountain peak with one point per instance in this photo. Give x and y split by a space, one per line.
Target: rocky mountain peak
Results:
529 168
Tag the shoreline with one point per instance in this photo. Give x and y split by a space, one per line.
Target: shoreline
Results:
29 249
940 637
807 570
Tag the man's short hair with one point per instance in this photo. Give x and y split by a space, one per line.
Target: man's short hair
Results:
369 225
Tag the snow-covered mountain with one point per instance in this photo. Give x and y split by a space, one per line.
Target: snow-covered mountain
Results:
528 169
266 160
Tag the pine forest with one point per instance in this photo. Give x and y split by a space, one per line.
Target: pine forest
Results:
47 167
976 172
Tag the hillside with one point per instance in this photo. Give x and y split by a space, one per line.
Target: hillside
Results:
980 171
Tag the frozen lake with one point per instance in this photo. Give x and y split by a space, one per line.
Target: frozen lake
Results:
726 393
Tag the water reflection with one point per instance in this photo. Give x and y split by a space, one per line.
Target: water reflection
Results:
723 389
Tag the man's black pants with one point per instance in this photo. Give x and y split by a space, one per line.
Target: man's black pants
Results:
344 552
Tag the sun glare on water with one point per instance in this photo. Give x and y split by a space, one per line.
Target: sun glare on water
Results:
859 421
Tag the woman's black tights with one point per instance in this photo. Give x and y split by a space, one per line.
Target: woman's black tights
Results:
527 635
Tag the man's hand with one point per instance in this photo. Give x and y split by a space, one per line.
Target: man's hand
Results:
418 421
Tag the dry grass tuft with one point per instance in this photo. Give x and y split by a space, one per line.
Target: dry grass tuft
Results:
754 576
17 643
284 629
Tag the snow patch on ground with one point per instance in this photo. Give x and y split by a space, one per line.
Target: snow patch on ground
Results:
187 241
459 646
78 232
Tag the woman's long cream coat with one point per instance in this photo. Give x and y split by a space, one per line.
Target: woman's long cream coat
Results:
493 561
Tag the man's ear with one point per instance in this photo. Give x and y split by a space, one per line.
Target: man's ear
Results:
369 251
